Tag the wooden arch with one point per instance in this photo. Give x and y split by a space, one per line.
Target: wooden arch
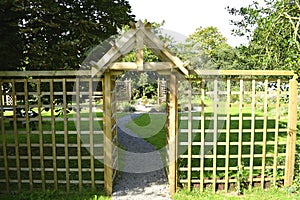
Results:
135 39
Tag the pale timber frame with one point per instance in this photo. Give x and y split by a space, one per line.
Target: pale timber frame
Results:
136 38
109 66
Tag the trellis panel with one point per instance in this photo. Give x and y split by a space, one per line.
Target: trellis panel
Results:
252 131
53 149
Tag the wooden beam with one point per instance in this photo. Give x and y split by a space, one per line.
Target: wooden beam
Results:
126 48
115 52
244 72
154 41
291 136
45 73
117 66
149 66
164 72
176 61
101 65
173 133
107 111
140 50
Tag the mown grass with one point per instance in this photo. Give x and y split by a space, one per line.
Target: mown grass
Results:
151 127
158 139
59 139
255 194
57 195
143 126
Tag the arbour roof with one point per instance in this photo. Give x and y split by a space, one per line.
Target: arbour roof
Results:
135 39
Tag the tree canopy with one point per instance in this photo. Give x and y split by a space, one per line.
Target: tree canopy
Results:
51 35
273 32
207 48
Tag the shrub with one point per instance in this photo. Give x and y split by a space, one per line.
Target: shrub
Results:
126 107
162 107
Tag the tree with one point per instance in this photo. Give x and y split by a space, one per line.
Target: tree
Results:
57 34
273 31
10 40
144 83
207 48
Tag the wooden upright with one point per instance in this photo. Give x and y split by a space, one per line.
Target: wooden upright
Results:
107 123
139 36
291 137
172 134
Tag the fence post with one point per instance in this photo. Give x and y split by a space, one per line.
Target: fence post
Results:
172 139
291 136
107 111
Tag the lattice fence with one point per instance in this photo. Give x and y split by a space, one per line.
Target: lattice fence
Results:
45 142
237 128
233 122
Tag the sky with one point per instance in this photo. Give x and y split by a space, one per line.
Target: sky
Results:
184 16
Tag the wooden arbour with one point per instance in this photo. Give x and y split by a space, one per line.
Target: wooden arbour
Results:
47 156
136 39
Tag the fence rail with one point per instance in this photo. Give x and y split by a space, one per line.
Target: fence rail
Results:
242 129
45 142
232 123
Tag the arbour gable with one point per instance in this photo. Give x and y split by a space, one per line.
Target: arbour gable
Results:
136 38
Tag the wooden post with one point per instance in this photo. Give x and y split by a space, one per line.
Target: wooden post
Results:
16 139
202 163
240 141
158 91
78 128
173 128
28 134
3 135
53 134
291 136
66 143
140 50
107 111
41 140
215 135
252 146
227 135
91 136
265 132
277 121
114 132
190 140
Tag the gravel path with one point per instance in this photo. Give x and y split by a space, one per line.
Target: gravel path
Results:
142 176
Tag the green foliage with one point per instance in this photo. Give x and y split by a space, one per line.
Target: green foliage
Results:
256 193
144 125
126 107
162 107
274 43
207 48
145 83
58 195
296 183
242 182
10 43
57 34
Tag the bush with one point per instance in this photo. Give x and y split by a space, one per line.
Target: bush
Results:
126 107
162 107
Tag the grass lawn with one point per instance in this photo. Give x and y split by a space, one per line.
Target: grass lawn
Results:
255 194
158 139
48 140
149 126
59 195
